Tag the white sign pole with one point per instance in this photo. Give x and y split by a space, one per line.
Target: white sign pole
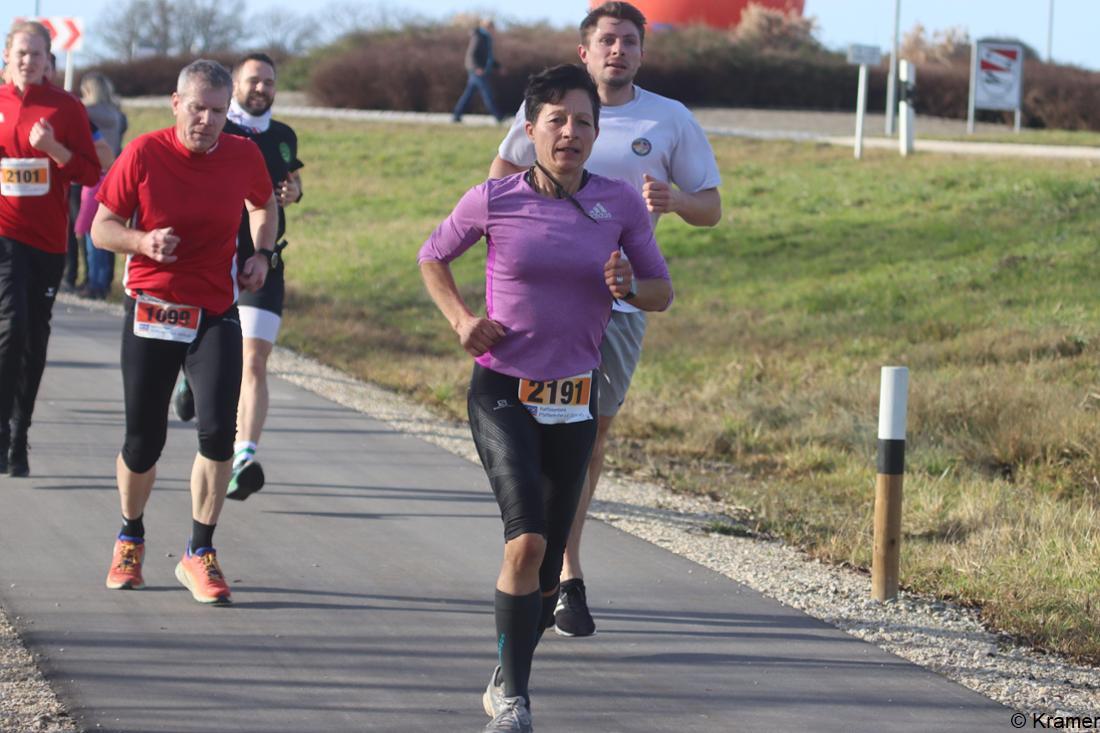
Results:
70 62
862 56
973 87
1050 34
907 73
861 108
891 81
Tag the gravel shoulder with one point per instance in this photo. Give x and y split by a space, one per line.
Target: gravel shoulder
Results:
27 704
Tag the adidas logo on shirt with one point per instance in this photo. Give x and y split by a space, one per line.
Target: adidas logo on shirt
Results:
599 211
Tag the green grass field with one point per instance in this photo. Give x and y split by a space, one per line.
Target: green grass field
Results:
1029 137
760 386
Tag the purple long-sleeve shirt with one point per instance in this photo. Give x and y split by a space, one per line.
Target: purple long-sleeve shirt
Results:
544 278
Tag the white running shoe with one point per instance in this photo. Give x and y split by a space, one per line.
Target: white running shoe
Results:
513 718
493 699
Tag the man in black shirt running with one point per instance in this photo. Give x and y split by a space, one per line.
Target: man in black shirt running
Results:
261 312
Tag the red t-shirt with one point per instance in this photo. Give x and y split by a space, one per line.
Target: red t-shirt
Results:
200 196
41 220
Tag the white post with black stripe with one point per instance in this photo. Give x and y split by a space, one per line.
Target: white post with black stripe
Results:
893 405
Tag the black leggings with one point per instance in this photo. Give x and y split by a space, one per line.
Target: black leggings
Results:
537 471
212 363
28 285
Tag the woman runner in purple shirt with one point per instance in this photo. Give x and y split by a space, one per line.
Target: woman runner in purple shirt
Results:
558 242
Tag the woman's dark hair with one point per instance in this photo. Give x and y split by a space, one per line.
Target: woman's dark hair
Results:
550 86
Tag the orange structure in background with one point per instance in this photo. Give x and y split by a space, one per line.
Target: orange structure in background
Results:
715 13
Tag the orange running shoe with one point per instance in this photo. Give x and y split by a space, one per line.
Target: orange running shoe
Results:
201 574
125 572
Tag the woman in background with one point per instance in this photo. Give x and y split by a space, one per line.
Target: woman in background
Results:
98 96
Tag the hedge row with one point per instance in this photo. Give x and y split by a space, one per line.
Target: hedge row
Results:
420 69
150 76
696 66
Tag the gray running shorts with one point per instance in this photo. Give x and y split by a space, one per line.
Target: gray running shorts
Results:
620 351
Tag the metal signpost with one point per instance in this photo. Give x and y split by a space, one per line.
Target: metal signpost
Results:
891 81
863 56
996 79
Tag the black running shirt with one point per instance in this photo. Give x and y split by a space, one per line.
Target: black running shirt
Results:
279 146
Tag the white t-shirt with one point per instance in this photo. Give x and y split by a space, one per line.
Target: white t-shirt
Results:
649 134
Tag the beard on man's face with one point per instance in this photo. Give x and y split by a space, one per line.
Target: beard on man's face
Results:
256 103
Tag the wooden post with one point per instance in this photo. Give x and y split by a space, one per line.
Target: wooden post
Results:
893 404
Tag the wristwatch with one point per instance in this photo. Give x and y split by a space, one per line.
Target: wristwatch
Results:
633 289
267 253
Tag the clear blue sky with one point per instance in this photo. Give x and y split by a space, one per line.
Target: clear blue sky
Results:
841 21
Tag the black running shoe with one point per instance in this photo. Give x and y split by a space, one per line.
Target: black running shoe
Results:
571 616
245 481
183 402
18 464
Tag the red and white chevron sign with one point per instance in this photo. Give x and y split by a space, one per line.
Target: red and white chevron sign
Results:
999 58
67 34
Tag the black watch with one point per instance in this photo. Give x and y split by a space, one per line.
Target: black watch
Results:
633 289
267 253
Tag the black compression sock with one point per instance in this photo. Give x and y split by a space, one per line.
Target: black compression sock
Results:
134 528
202 535
517 619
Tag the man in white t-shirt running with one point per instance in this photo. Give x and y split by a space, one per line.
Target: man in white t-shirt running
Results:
655 144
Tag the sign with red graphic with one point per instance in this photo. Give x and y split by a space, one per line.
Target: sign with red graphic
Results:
998 81
66 34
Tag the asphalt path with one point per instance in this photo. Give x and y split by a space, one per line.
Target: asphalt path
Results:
363 579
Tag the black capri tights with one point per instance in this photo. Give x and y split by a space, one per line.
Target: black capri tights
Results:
212 364
537 471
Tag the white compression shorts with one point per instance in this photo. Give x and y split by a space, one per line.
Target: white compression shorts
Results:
257 323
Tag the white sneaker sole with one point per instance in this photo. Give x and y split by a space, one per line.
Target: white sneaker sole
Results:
182 577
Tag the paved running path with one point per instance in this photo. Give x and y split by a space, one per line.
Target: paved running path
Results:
362 576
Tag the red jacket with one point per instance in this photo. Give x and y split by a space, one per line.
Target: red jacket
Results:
42 221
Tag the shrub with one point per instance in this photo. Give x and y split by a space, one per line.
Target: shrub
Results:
150 76
1061 97
422 69
695 65
419 68
766 28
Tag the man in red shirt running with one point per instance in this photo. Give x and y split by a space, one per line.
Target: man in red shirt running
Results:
45 145
183 186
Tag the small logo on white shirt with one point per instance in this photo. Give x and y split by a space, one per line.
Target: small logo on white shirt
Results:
641 147
599 211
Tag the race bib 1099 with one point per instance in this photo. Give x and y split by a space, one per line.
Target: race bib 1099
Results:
159 319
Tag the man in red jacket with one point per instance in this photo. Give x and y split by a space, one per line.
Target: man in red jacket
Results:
45 145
